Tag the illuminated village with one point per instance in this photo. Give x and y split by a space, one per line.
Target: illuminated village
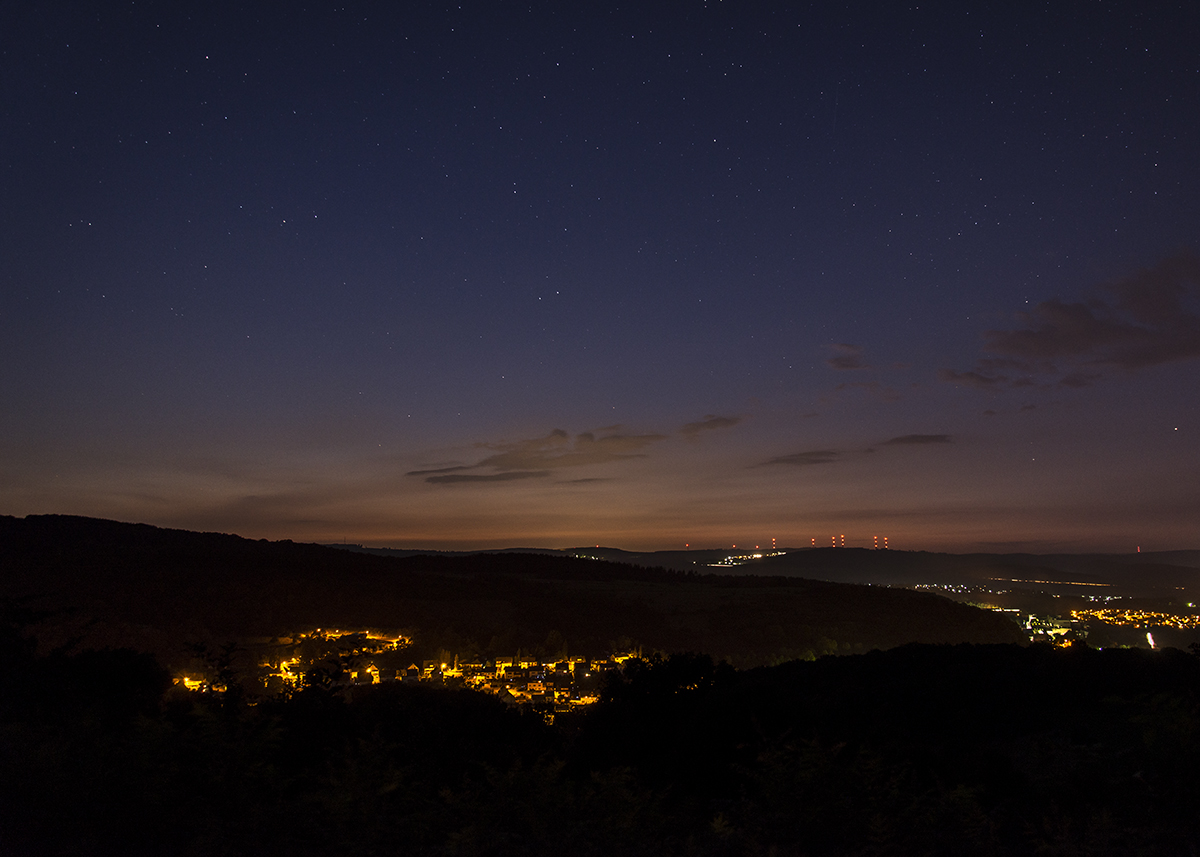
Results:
1069 625
346 658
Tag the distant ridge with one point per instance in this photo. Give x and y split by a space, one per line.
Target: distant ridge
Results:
407 552
1132 574
112 583
1145 574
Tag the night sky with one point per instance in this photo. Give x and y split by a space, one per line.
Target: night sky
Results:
639 275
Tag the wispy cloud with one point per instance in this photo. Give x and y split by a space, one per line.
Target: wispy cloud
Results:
558 449
538 457
488 477
438 470
978 380
809 458
1145 320
918 440
846 356
710 422
815 457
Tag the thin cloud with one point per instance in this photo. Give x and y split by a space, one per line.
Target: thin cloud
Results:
811 458
846 356
438 470
557 449
488 477
972 379
816 457
918 440
539 457
711 422
1146 320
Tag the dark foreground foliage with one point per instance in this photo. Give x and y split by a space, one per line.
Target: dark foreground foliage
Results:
919 750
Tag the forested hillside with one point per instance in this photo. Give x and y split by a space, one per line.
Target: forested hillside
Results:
110 583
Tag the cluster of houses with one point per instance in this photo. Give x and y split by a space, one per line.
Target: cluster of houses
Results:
549 688
346 658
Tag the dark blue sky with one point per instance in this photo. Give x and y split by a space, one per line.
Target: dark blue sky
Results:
645 275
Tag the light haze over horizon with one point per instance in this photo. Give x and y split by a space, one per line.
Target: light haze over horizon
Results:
694 273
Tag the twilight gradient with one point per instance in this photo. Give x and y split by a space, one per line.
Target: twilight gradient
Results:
651 275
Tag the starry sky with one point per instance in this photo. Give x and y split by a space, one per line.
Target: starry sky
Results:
490 274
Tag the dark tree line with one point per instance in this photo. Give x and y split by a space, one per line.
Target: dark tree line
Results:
158 590
999 749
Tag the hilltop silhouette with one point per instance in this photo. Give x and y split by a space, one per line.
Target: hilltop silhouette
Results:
112 583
